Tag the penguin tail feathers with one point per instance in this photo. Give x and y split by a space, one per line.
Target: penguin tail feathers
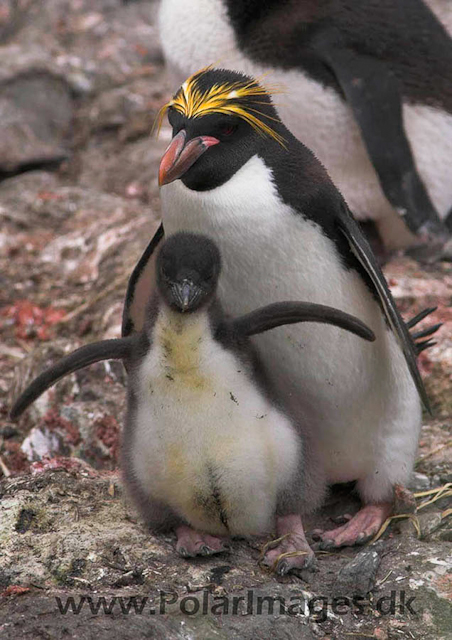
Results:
421 345
420 316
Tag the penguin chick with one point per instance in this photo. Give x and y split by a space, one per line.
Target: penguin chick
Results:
235 173
366 86
206 449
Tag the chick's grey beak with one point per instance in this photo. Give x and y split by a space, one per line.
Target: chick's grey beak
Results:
179 157
185 294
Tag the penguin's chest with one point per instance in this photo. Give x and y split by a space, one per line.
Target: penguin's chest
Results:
204 443
270 254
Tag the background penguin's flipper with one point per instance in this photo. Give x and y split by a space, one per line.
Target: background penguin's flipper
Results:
89 354
361 249
139 288
372 91
281 313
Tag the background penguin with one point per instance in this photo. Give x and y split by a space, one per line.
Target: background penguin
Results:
235 173
366 86
206 451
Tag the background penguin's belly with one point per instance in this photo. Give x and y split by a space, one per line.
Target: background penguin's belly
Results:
443 11
325 123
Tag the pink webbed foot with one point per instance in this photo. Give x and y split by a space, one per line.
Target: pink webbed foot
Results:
191 543
361 528
290 551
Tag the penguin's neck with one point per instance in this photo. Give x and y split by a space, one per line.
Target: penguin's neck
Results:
180 339
249 197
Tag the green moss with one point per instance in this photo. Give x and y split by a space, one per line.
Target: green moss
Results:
33 518
25 520
64 574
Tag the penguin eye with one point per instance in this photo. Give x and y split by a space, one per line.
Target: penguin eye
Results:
228 129
175 120
170 114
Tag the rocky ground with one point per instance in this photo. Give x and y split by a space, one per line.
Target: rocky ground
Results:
81 83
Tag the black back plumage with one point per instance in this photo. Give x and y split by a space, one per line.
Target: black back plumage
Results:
404 34
377 55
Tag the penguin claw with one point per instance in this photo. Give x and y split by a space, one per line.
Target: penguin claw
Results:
191 543
326 544
208 551
291 551
360 529
282 568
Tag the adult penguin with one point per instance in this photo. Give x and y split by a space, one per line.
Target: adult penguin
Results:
366 87
235 173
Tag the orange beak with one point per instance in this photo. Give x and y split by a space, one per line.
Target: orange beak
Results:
179 157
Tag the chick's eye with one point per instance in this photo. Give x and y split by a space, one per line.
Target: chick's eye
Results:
228 129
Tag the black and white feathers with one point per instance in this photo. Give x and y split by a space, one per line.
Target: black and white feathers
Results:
284 230
215 104
366 87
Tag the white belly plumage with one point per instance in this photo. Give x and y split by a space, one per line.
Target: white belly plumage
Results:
346 391
206 441
197 33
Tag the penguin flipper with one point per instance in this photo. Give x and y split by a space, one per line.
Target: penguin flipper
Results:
362 251
281 313
372 91
139 288
118 349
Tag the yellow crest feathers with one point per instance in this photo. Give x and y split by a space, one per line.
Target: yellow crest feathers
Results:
230 98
